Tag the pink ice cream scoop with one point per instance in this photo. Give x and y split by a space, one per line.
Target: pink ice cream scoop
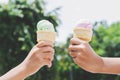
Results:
85 25
83 31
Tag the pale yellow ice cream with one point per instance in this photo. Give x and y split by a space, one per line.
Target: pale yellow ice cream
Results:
45 31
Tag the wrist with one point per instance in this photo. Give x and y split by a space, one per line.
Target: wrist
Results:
98 67
22 71
30 68
101 66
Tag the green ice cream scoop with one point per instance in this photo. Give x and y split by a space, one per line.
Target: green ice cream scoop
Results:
45 25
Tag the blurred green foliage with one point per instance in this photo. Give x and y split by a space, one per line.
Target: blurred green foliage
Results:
18 21
106 40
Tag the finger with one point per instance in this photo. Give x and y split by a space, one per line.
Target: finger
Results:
72 48
47 62
76 41
49 50
76 48
44 43
45 50
73 54
45 53
76 60
80 62
50 64
80 58
48 56
44 59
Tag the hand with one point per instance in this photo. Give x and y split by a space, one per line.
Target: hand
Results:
84 56
40 55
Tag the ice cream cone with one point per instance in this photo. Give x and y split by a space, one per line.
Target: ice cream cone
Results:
45 31
83 31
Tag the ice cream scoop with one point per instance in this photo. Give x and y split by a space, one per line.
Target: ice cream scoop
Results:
45 31
83 30
45 25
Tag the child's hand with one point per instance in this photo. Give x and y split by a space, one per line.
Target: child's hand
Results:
40 55
84 56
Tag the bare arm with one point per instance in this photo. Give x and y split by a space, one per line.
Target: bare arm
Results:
111 65
17 73
40 55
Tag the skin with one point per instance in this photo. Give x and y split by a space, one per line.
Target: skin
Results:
40 55
85 57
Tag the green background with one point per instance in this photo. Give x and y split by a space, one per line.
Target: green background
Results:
18 21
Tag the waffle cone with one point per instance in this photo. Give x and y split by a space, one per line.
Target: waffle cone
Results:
83 33
46 36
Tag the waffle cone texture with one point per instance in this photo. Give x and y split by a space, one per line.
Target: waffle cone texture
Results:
46 36
83 33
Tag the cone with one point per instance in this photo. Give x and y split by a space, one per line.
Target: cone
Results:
46 36
83 33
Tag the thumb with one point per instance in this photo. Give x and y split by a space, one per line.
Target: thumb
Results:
49 64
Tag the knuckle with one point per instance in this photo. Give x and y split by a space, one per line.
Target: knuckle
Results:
51 50
72 39
71 48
